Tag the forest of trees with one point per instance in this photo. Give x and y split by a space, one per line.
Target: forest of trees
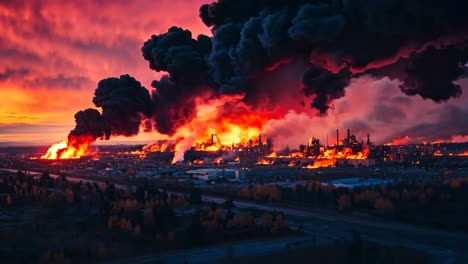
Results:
437 202
117 222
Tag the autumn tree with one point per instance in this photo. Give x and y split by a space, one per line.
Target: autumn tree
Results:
9 200
344 203
136 231
148 219
69 195
383 206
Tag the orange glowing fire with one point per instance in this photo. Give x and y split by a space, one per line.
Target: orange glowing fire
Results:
220 124
438 153
399 141
198 161
74 147
296 154
264 162
321 163
272 155
218 160
160 147
346 153
328 157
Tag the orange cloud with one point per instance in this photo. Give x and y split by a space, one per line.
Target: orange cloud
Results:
53 53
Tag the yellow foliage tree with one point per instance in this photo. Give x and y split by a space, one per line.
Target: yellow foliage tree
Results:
9 200
148 219
246 193
344 202
69 195
383 206
136 231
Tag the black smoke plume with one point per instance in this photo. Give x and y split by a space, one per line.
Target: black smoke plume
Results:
124 102
125 105
89 122
185 60
421 42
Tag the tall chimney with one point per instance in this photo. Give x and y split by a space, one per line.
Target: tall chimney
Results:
212 139
260 140
368 139
337 137
349 134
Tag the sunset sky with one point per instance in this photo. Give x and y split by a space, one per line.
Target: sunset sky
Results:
53 54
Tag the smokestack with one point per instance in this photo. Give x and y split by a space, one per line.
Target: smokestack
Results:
337 137
349 134
212 139
260 140
368 139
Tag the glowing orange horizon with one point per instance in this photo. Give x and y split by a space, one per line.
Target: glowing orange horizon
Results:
399 141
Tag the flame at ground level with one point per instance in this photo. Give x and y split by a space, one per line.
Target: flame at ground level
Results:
321 163
328 157
73 148
438 153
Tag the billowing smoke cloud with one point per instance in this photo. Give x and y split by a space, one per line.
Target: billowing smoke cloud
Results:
383 112
422 43
325 85
184 58
125 104
90 122
431 73
449 122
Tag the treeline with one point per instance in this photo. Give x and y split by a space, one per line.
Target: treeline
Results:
151 213
437 202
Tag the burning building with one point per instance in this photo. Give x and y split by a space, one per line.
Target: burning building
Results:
345 152
218 152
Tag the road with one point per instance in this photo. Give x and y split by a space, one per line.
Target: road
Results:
445 246
321 227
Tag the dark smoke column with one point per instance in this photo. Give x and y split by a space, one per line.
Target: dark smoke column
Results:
125 105
185 61
427 41
421 42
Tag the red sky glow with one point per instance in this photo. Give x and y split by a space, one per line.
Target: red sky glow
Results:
53 53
